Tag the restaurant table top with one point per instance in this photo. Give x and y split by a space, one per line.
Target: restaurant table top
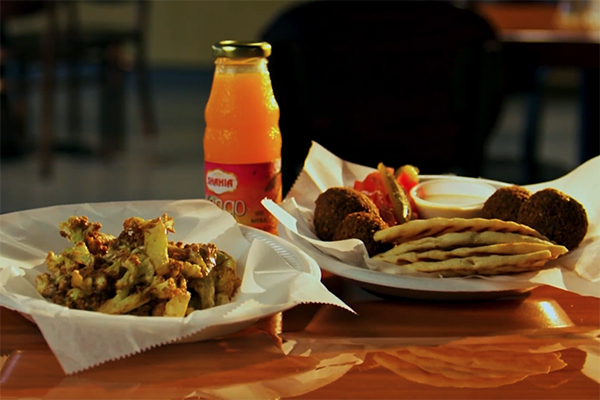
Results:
328 352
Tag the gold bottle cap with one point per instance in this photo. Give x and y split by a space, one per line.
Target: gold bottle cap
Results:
239 49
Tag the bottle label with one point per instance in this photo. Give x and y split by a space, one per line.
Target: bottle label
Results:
239 189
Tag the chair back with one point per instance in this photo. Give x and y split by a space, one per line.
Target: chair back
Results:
403 82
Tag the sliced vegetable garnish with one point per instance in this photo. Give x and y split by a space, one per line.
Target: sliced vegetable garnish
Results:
400 202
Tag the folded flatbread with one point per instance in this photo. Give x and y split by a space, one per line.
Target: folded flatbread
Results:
454 247
420 228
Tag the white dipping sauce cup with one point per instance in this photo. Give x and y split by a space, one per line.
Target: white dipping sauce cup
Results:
450 198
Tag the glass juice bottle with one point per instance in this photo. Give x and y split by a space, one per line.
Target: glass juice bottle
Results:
242 141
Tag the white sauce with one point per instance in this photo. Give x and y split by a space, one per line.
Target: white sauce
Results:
454 198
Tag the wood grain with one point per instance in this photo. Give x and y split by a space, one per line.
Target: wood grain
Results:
251 364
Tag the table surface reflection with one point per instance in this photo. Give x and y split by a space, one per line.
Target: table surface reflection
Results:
540 345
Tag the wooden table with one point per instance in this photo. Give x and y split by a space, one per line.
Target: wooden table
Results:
329 353
541 35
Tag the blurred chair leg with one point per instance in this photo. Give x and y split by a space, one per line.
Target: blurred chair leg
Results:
10 146
532 128
74 53
589 143
144 92
21 105
73 81
117 85
48 45
73 76
106 147
6 117
112 102
148 118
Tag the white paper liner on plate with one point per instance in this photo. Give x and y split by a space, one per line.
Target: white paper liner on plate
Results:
577 271
276 276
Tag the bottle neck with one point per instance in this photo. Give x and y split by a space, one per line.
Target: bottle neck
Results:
224 65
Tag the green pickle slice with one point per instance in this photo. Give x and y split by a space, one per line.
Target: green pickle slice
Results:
400 203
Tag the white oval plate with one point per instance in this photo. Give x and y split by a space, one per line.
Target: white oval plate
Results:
409 286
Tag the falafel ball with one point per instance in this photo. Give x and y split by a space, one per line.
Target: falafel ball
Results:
332 206
555 215
505 203
363 225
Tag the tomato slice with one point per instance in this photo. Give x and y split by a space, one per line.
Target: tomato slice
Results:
408 176
373 186
371 183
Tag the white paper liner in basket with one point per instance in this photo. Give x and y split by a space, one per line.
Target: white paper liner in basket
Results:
577 271
276 276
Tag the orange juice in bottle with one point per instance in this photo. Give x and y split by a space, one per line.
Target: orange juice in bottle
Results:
242 141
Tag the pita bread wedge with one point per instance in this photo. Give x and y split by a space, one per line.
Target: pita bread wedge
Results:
398 257
473 265
419 228
464 239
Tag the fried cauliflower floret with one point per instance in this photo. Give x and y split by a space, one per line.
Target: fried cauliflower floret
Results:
555 215
333 205
505 203
80 229
75 229
149 234
194 261
219 286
